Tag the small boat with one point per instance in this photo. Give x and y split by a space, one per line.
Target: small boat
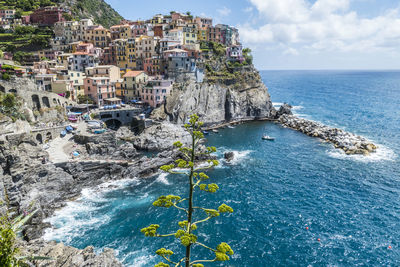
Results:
99 131
206 133
231 127
215 131
268 138
63 133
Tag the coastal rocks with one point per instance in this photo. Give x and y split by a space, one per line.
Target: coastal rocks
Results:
348 142
285 109
69 256
106 145
229 156
160 137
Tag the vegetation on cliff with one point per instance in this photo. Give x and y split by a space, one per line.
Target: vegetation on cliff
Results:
25 39
101 12
196 180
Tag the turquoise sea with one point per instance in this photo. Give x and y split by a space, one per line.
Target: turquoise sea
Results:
277 189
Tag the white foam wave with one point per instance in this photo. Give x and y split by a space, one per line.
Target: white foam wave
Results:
68 221
140 258
277 104
162 178
383 153
238 156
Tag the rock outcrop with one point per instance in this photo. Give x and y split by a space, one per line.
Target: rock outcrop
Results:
69 256
160 137
243 97
348 142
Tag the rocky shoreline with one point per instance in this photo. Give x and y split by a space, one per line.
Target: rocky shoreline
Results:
350 143
25 180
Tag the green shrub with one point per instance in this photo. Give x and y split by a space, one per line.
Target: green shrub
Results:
5 76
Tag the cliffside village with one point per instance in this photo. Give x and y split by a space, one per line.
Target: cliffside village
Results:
133 62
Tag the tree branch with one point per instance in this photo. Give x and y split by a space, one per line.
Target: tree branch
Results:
201 244
204 220
193 262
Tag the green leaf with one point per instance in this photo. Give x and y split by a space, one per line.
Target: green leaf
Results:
150 230
222 250
166 201
164 252
225 208
161 264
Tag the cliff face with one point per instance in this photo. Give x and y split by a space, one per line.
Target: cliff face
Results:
237 97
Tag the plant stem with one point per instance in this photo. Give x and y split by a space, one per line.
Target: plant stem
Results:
190 210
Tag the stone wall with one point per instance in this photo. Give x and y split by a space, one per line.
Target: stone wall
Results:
32 96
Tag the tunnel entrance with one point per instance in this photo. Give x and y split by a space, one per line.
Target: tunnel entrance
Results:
113 124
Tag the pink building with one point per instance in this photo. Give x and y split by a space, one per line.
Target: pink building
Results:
156 91
85 48
100 89
152 66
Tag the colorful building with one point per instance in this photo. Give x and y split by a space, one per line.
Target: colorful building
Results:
153 66
189 34
214 34
81 61
146 46
77 78
133 83
48 16
7 14
109 71
99 89
156 91
98 35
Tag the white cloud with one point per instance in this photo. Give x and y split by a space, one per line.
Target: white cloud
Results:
325 25
224 11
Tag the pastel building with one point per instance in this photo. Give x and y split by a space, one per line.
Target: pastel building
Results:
156 92
190 34
99 89
98 35
146 46
77 78
81 61
235 53
152 66
176 35
109 71
133 83
7 14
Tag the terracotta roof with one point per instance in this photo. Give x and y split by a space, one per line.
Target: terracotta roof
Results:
133 73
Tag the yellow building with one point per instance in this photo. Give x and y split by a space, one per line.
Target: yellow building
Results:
77 78
98 36
131 53
157 19
202 34
190 34
146 46
120 50
121 31
133 82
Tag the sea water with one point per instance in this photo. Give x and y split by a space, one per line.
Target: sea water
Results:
297 201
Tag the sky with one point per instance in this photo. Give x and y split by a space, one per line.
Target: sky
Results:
298 34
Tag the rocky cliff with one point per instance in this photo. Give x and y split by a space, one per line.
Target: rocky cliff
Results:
236 94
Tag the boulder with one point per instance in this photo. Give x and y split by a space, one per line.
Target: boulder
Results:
229 156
